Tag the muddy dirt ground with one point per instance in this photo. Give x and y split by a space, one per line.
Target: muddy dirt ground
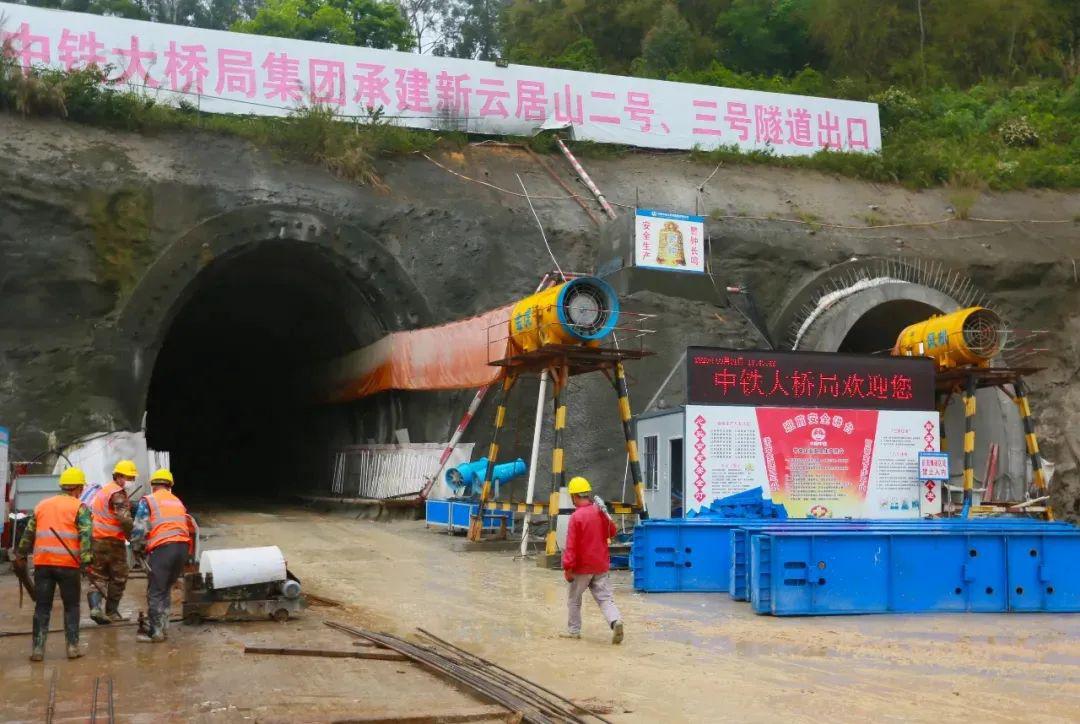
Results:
685 658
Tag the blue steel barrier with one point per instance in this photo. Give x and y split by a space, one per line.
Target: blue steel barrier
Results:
739 538
699 555
836 572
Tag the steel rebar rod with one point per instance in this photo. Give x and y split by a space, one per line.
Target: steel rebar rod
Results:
492 664
440 664
94 702
50 709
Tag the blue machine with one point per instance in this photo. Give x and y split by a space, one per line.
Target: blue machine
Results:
471 475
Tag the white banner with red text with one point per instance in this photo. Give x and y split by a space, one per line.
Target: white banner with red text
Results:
225 72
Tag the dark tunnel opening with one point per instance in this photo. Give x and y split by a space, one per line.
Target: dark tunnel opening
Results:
230 396
875 332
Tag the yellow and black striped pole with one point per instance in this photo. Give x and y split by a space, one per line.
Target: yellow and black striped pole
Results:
558 460
476 523
631 443
969 443
1032 442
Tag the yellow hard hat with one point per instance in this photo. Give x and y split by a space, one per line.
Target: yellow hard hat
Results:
162 475
578 486
72 477
127 468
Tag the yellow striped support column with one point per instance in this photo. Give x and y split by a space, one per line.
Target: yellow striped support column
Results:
1032 442
558 470
631 443
476 523
969 443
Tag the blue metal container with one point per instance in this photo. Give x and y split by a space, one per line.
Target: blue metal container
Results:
701 555
457 514
817 572
739 538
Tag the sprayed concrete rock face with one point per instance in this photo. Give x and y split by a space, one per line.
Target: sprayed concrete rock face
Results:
191 282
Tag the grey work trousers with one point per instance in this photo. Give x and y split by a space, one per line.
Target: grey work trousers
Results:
166 567
599 585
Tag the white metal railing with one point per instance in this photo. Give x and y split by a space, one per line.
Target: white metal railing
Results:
386 471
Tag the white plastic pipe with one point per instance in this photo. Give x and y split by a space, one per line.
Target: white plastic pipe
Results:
534 456
243 566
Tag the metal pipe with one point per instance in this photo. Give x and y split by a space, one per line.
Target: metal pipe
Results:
534 456
585 178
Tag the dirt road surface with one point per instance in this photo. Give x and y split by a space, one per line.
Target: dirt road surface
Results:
686 657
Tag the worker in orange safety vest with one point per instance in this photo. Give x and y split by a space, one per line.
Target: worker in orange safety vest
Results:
111 508
59 535
165 534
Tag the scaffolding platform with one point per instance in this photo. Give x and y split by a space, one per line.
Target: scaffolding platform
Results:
574 358
955 380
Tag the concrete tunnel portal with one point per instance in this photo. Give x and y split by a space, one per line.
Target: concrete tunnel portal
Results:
867 318
230 386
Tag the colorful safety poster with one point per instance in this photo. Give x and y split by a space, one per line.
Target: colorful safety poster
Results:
670 242
817 462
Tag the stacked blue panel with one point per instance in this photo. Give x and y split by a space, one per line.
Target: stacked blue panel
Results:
810 567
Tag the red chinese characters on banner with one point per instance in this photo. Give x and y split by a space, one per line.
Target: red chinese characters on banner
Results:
773 125
494 93
805 385
452 94
236 73
80 50
606 97
413 90
326 79
185 67
371 86
282 78
27 47
646 247
132 66
531 101
695 246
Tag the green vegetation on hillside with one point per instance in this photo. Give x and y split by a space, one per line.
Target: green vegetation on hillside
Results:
972 92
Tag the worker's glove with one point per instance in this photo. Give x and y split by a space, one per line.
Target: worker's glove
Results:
568 575
19 564
599 503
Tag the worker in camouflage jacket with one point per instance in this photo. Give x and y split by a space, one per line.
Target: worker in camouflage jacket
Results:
113 522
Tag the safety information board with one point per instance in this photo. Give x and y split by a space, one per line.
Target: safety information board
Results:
669 242
816 461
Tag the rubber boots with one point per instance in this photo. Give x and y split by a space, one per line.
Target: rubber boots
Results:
38 652
71 634
94 599
155 633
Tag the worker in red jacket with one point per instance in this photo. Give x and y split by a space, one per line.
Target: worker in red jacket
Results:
586 561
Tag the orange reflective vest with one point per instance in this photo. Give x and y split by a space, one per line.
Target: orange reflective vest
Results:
58 513
106 524
168 520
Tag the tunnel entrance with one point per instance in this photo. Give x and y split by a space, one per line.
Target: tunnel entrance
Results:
230 396
875 332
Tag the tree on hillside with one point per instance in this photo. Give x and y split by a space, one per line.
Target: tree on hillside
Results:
369 23
666 47
471 29
766 37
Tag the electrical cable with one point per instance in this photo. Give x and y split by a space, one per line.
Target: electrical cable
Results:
542 234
